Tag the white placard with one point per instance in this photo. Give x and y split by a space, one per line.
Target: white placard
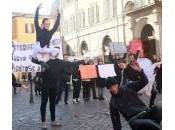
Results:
117 47
106 70
21 59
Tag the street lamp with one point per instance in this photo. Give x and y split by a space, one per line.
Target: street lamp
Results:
31 101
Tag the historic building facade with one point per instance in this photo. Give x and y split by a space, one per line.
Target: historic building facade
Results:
87 26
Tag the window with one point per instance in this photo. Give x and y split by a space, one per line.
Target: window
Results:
29 28
65 25
140 3
81 19
108 9
93 13
33 28
71 24
114 8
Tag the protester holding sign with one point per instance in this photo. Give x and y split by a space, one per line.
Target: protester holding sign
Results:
100 82
93 82
43 34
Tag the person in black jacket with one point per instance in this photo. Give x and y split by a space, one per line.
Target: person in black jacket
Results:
52 71
43 34
38 83
76 81
125 100
14 83
64 83
100 82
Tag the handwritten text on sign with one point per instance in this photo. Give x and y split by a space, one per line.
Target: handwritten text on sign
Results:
106 70
21 59
88 71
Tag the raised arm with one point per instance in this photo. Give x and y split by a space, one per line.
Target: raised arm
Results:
37 27
56 23
138 85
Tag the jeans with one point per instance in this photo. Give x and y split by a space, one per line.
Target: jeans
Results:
150 121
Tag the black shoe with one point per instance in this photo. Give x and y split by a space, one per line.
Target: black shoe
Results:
65 103
95 98
102 98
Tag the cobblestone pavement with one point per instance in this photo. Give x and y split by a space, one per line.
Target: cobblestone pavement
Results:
92 115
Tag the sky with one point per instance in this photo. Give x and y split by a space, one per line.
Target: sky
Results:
29 6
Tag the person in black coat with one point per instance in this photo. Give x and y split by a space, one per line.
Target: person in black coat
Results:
38 83
100 82
76 82
64 85
14 83
52 71
124 100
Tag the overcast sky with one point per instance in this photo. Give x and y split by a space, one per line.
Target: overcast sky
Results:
29 6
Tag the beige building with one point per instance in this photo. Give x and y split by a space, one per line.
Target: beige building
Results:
87 26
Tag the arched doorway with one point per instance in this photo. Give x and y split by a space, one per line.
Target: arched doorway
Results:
84 48
68 50
148 40
106 48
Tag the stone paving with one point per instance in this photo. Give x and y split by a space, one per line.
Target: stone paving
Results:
92 115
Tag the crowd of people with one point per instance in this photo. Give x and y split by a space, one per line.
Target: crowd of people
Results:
56 75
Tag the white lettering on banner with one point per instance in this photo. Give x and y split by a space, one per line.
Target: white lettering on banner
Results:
106 70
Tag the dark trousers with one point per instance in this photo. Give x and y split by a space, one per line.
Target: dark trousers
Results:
93 88
150 121
48 92
14 88
37 89
63 86
153 97
76 88
100 92
86 90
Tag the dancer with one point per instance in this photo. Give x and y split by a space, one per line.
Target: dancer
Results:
44 35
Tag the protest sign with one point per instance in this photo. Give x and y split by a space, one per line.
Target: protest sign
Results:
106 70
88 71
21 59
134 46
118 47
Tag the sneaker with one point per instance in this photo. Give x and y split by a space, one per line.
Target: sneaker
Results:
75 101
44 125
55 123
78 100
